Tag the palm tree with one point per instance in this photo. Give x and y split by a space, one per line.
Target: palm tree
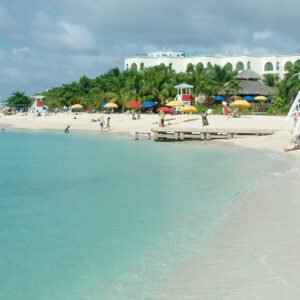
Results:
290 85
271 79
117 90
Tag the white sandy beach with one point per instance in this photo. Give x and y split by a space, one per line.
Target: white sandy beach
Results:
254 254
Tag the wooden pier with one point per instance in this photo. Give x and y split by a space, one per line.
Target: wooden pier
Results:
204 134
138 134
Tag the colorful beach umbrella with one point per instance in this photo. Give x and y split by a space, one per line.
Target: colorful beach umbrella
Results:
111 105
219 98
186 109
134 105
173 103
248 98
103 104
241 104
260 98
148 104
77 106
166 110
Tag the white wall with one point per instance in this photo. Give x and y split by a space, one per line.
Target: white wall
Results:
179 64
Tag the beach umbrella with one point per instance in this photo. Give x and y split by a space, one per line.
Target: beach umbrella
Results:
134 104
148 104
103 104
189 109
166 110
77 106
219 98
241 104
173 103
111 105
248 98
260 98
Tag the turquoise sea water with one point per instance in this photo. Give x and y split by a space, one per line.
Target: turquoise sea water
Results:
85 217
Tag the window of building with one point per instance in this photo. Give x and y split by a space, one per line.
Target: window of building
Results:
134 66
200 67
142 66
287 65
269 67
229 66
240 66
190 67
248 65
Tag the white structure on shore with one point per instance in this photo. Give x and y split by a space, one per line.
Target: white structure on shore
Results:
180 61
38 108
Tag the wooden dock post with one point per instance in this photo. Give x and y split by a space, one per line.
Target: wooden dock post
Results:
156 136
202 136
144 133
207 136
181 136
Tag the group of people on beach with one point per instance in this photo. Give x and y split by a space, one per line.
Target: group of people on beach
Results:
102 123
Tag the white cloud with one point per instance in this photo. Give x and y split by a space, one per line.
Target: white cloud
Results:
262 35
24 50
63 35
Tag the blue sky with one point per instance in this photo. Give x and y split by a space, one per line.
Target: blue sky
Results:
48 43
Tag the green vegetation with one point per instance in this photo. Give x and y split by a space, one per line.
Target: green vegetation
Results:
157 84
19 101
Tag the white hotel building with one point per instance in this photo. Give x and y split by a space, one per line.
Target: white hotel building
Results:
180 60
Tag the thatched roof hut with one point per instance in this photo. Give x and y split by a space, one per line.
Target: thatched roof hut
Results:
248 75
251 84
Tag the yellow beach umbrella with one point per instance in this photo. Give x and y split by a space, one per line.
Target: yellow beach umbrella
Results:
173 103
260 98
186 109
77 106
241 104
111 105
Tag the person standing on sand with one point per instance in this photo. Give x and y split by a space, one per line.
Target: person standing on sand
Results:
101 124
108 123
162 119
204 119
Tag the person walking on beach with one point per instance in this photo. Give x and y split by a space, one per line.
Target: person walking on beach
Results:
162 119
108 123
204 119
101 124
